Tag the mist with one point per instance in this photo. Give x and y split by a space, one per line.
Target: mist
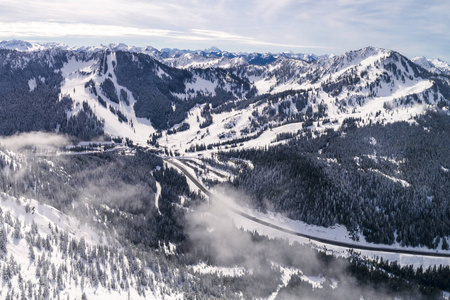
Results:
217 241
76 182
38 139
102 187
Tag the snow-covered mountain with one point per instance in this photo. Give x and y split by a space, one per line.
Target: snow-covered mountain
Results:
212 57
433 65
49 253
216 97
294 96
215 58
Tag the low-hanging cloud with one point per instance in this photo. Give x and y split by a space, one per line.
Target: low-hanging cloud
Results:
38 139
211 226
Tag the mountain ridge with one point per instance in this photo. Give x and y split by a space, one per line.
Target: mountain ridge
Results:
434 65
134 95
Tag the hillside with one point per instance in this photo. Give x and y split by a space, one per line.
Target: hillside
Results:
130 93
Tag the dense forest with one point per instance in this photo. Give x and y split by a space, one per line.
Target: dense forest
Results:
31 100
386 182
120 190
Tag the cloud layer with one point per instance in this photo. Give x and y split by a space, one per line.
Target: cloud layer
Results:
413 27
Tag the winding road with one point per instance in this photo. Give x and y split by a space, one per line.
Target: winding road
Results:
179 164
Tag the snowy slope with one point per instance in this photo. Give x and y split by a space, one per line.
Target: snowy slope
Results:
77 73
252 104
36 235
371 84
83 79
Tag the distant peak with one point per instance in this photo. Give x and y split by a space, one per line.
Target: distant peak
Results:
20 45
16 45
213 49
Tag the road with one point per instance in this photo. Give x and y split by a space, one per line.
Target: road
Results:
183 169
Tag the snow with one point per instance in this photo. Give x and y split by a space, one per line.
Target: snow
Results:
158 194
217 132
160 73
286 274
74 73
169 249
181 141
203 268
45 214
433 65
47 219
207 172
32 84
446 295
203 85
193 60
315 281
269 136
11 158
21 45
264 85
394 179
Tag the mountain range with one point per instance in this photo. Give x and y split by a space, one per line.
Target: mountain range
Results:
137 92
143 173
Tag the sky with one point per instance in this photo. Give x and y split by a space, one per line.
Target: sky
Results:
411 27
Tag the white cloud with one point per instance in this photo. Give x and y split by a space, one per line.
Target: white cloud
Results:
258 24
56 29
215 35
33 139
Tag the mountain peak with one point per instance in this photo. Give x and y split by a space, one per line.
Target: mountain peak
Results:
213 49
25 46
16 45
433 65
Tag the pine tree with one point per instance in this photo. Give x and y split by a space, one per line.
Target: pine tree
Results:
444 244
31 252
17 230
3 240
